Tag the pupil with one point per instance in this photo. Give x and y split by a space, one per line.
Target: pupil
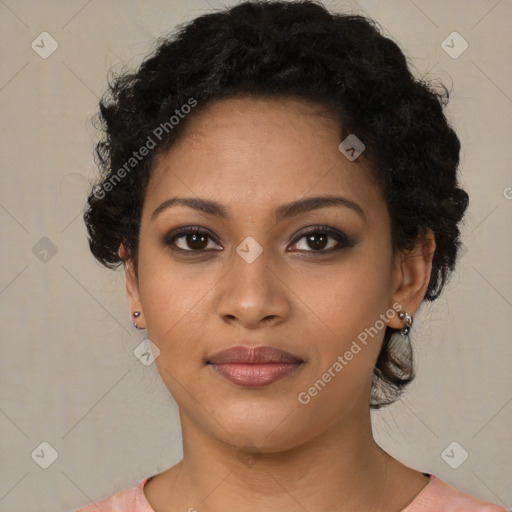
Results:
317 236
193 238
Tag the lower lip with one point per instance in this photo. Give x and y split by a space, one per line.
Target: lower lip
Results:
255 375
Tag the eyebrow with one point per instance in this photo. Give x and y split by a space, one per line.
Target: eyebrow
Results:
282 212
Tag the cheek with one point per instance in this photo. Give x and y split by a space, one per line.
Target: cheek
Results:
348 300
347 306
175 300
172 308
348 297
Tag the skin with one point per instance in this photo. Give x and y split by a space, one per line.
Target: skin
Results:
254 155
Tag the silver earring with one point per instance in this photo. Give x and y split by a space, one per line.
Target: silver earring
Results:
136 314
403 315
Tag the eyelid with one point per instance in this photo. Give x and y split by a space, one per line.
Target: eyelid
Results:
332 232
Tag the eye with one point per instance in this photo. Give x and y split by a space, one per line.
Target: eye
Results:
317 239
195 239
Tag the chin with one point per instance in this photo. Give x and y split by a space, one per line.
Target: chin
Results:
263 429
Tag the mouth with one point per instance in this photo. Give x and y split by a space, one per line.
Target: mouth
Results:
254 367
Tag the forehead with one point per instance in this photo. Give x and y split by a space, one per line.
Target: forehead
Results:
259 151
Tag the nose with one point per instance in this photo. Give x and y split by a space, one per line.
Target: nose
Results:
253 294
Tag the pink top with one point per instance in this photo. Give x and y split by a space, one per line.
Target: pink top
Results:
436 496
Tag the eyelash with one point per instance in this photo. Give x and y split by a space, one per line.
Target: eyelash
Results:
344 241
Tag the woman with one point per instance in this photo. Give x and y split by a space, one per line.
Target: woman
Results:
283 196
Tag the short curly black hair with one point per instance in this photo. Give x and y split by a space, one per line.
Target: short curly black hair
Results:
283 49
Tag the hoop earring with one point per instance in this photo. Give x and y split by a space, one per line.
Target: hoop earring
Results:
403 315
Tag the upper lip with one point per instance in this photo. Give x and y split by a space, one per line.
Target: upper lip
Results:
253 355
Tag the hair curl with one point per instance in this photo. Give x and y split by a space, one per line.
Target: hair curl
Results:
291 49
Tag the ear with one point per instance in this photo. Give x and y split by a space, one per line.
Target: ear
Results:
411 275
132 288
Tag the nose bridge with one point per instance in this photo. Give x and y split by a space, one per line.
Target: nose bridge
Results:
252 268
252 292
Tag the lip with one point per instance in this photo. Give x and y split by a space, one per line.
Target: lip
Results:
254 366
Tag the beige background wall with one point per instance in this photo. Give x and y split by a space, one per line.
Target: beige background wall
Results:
68 373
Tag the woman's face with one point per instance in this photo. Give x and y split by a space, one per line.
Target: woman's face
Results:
256 279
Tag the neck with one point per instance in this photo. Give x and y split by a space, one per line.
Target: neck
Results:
342 469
